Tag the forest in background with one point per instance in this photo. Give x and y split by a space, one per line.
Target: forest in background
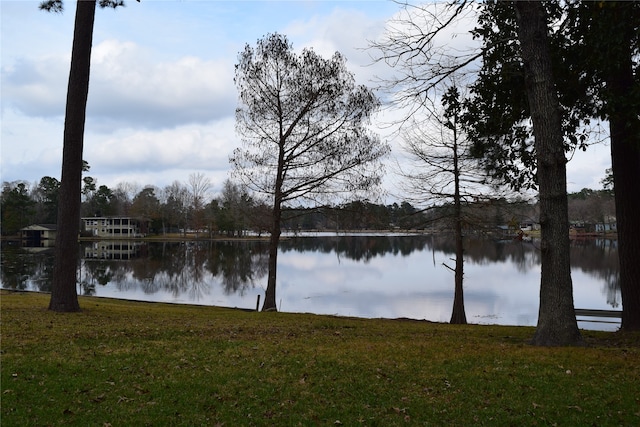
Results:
188 206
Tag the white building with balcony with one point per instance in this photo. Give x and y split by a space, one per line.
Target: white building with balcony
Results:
112 227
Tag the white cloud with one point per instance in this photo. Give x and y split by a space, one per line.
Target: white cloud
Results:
130 87
37 87
347 31
190 146
161 157
31 147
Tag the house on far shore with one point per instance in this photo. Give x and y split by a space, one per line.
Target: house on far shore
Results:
113 227
609 225
606 227
39 233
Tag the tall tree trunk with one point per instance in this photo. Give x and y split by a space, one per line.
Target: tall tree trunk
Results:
557 323
64 297
624 125
625 158
458 315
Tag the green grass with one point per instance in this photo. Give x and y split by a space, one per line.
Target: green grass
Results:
120 363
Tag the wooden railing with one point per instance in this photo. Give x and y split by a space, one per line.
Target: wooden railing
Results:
588 312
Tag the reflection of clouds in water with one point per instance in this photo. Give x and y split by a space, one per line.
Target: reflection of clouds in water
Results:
410 287
506 308
587 292
500 293
385 287
436 308
298 261
324 272
527 319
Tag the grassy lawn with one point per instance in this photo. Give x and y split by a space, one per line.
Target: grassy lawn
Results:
120 363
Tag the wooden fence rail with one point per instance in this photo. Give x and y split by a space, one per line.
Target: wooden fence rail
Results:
588 312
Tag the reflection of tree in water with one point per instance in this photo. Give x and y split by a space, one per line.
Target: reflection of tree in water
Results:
24 270
99 272
523 255
201 282
239 264
184 268
599 258
481 251
174 267
358 248
612 291
95 273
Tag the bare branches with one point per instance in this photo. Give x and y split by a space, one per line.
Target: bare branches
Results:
304 124
427 45
199 186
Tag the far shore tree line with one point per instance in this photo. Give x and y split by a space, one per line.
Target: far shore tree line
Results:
187 206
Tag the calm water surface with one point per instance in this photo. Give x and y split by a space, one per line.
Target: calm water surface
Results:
387 276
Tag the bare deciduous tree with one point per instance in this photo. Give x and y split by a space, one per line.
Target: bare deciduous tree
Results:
303 122
441 172
199 186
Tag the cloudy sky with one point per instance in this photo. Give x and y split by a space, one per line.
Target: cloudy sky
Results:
162 98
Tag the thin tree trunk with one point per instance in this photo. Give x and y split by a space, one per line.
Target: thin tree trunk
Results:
274 240
270 293
64 297
557 323
458 315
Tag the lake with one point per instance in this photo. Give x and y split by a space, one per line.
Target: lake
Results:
369 276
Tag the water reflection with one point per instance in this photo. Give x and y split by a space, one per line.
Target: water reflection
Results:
364 276
182 270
